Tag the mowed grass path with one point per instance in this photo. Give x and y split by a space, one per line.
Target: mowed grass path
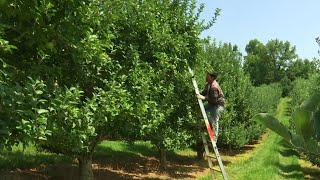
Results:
272 160
269 161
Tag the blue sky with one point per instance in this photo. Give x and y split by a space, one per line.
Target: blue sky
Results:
296 21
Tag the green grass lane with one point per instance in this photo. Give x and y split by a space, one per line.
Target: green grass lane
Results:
270 161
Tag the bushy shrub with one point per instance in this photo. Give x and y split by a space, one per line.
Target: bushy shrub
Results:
233 135
304 88
265 98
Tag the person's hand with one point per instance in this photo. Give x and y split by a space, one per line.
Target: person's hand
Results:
199 96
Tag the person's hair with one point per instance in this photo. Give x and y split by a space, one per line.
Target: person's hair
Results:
213 74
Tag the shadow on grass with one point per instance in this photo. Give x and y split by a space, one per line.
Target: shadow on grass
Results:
296 171
71 172
288 152
19 159
311 173
234 152
134 160
126 150
291 171
127 161
20 165
133 151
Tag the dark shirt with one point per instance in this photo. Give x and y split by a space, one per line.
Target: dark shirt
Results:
213 94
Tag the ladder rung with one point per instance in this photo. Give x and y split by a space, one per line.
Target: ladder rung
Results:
215 169
212 156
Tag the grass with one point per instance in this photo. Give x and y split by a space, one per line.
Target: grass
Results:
28 158
269 161
116 148
266 162
138 148
112 160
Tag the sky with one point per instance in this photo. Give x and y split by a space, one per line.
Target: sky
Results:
296 21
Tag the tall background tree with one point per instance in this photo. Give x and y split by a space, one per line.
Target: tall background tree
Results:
268 63
276 62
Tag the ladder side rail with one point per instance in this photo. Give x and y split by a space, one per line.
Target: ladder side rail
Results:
215 148
206 148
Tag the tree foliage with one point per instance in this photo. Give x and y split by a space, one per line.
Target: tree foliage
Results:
275 61
267 63
265 98
74 73
86 71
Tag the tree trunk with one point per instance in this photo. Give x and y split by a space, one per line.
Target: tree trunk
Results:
163 158
200 150
85 167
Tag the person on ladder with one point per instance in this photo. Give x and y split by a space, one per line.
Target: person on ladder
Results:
213 94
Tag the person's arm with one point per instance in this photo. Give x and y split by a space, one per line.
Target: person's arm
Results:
205 91
203 94
199 96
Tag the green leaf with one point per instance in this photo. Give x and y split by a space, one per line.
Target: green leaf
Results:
42 138
39 92
48 132
312 103
313 147
42 100
41 111
24 121
297 140
303 122
273 124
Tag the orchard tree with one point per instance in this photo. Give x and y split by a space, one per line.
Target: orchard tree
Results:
166 38
85 71
62 75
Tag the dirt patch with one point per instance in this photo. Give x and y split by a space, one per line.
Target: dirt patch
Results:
117 169
18 174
